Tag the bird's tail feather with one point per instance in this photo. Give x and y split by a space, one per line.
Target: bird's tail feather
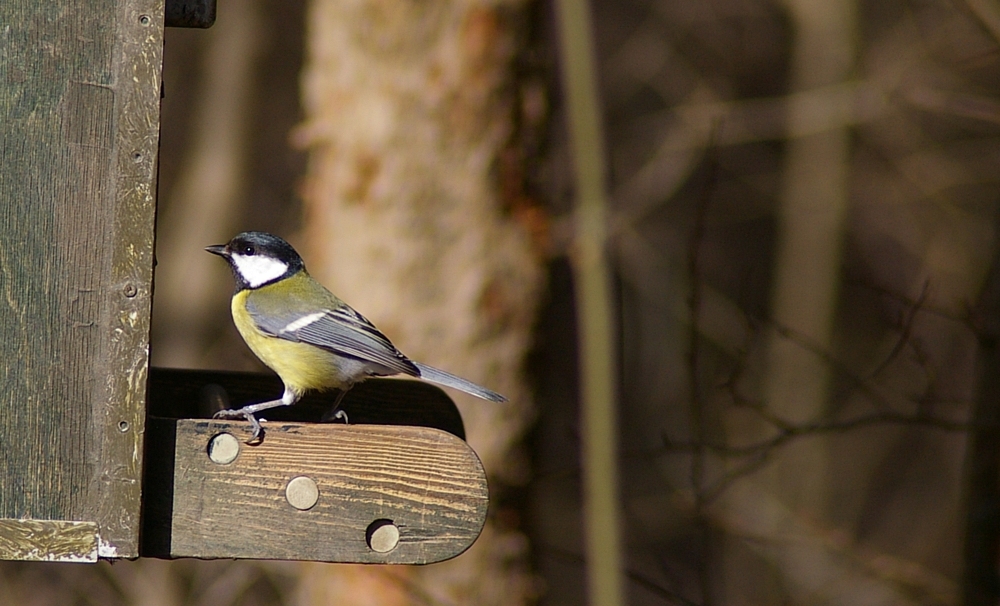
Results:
449 380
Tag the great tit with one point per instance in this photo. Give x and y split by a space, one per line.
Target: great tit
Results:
302 331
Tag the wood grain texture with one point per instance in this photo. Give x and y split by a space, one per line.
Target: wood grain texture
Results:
139 38
80 101
48 540
429 483
180 393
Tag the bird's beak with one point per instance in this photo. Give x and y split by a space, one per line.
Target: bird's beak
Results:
218 249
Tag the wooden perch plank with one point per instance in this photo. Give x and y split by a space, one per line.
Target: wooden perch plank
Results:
429 484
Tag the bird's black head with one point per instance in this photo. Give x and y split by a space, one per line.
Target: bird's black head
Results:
258 258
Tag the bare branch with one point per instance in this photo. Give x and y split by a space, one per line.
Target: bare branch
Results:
904 334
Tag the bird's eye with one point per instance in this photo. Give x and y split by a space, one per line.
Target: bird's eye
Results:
249 250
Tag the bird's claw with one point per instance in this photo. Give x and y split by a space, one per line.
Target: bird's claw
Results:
332 416
229 413
237 413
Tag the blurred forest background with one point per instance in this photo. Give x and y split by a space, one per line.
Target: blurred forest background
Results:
803 212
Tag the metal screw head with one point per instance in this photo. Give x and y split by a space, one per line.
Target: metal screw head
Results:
302 493
382 536
223 448
130 290
145 20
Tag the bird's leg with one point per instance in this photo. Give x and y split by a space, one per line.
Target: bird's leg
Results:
248 411
334 412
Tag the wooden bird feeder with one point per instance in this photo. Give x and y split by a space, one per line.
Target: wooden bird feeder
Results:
105 458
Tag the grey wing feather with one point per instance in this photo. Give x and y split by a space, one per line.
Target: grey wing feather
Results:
345 332
340 331
447 379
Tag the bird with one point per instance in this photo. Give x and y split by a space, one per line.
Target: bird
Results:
306 334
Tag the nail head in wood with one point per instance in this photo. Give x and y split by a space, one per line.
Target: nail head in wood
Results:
223 448
382 536
302 493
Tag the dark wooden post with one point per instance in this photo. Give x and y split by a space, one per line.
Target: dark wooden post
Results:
79 124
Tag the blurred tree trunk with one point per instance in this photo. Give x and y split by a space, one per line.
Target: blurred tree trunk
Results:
811 220
408 108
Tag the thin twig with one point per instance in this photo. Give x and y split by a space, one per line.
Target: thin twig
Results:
839 368
905 333
787 431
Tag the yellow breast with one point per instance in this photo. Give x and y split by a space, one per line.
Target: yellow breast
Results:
301 367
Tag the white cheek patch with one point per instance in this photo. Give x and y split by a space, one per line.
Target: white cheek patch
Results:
257 270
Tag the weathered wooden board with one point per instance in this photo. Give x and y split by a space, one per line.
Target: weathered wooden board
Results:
427 483
79 115
48 541
179 393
